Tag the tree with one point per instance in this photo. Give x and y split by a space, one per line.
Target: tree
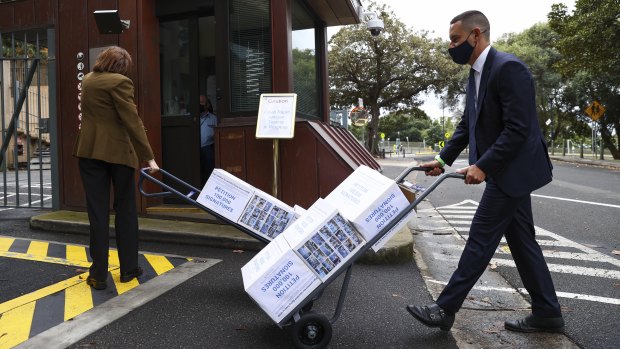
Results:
389 72
598 59
557 96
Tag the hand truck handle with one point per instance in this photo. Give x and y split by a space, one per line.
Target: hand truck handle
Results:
407 171
144 174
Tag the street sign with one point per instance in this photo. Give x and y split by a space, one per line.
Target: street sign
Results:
447 135
441 144
382 135
595 110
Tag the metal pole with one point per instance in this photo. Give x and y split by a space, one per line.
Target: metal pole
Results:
602 145
276 166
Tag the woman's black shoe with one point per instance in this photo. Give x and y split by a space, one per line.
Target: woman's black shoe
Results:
97 285
128 276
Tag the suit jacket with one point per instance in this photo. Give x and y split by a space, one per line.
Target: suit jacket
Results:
510 147
111 129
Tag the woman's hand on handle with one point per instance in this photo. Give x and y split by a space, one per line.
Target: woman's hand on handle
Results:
153 166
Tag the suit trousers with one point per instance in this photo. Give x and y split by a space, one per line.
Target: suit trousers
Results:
499 214
96 178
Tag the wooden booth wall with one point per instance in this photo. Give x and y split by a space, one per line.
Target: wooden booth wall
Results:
76 31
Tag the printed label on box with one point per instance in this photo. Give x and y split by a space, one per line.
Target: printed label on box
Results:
225 194
278 280
369 200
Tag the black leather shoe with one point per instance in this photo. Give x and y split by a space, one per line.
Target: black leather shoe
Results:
128 276
432 316
533 323
96 284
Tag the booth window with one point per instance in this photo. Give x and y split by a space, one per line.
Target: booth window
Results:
175 67
250 53
305 62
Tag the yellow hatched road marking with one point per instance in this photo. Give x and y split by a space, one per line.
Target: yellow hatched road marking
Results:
45 259
38 248
113 258
122 287
78 299
76 253
160 264
5 244
40 293
15 325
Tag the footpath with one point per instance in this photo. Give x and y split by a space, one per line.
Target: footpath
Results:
480 323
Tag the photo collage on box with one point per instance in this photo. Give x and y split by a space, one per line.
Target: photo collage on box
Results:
330 246
265 217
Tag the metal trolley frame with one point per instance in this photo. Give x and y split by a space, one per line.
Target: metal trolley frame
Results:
308 329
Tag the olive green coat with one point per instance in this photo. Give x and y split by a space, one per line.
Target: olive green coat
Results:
111 129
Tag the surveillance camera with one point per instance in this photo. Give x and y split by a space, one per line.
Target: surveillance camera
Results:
375 26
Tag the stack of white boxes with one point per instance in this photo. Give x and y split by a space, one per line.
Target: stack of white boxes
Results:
322 239
246 205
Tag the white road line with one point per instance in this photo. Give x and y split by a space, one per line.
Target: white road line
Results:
460 205
568 269
580 247
570 255
577 201
459 222
458 216
472 212
584 297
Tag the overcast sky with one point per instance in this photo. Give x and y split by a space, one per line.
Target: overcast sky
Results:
435 16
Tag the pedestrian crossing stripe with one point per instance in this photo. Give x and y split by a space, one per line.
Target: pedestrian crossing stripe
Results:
26 316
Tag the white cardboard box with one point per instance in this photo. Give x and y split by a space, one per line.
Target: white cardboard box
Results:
323 239
370 201
246 205
277 279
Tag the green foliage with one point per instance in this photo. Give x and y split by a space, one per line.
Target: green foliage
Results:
589 41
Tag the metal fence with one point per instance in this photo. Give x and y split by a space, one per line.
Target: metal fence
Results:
24 120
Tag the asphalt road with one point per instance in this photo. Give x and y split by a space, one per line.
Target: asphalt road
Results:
212 310
577 217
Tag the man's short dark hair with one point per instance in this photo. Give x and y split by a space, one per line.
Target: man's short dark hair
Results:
472 19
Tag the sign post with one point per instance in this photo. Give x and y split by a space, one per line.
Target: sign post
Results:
276 120
595 110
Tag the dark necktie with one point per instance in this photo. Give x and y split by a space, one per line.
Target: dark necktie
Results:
471 114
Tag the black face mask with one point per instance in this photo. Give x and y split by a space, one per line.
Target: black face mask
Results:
202 109
460 54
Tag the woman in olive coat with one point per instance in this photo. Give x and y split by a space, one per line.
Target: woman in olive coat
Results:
110 145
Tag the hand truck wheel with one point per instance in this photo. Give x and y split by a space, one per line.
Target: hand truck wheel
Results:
311 331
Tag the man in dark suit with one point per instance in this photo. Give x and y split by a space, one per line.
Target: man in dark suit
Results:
507 151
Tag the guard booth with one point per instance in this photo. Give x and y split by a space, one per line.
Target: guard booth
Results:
231 51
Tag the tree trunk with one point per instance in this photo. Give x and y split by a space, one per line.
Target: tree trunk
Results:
373 127
608 141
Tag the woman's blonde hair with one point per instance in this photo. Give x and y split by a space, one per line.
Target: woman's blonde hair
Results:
113 60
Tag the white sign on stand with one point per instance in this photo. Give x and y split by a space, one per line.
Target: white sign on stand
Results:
276 115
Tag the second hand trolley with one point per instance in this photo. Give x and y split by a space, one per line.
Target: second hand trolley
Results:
189 197
308 329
